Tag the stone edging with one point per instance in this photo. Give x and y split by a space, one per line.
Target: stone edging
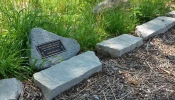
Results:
12 88
116 47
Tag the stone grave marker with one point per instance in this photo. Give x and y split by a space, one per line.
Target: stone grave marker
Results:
48 49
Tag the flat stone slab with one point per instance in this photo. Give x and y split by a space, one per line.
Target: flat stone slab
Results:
10 89
171 14
155 27
117 46
40 37
66 74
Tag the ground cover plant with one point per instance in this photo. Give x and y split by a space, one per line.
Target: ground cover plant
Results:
68 18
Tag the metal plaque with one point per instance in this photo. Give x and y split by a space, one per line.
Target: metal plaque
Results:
50 48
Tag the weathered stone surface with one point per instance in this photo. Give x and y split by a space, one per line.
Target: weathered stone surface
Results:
106 4
119 45
10 89
39 36
66 74
171 14
155 27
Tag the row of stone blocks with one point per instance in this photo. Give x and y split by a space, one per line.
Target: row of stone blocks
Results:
66 74
116 47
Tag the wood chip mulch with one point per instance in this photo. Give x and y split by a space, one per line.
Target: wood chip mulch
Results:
146 73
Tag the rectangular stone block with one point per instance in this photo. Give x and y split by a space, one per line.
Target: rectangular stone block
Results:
155 27
10 89
66 74
136 41
171 14
117 46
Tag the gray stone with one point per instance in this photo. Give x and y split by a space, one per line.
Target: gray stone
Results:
10 89
66 74
117 46
39 36
154 27
171 14
106 4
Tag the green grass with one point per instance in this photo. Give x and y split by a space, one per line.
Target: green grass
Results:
119 21
68 18
13 63
146 10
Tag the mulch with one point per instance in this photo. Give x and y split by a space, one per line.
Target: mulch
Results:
146 73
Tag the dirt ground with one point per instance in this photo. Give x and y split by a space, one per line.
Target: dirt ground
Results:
146 73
